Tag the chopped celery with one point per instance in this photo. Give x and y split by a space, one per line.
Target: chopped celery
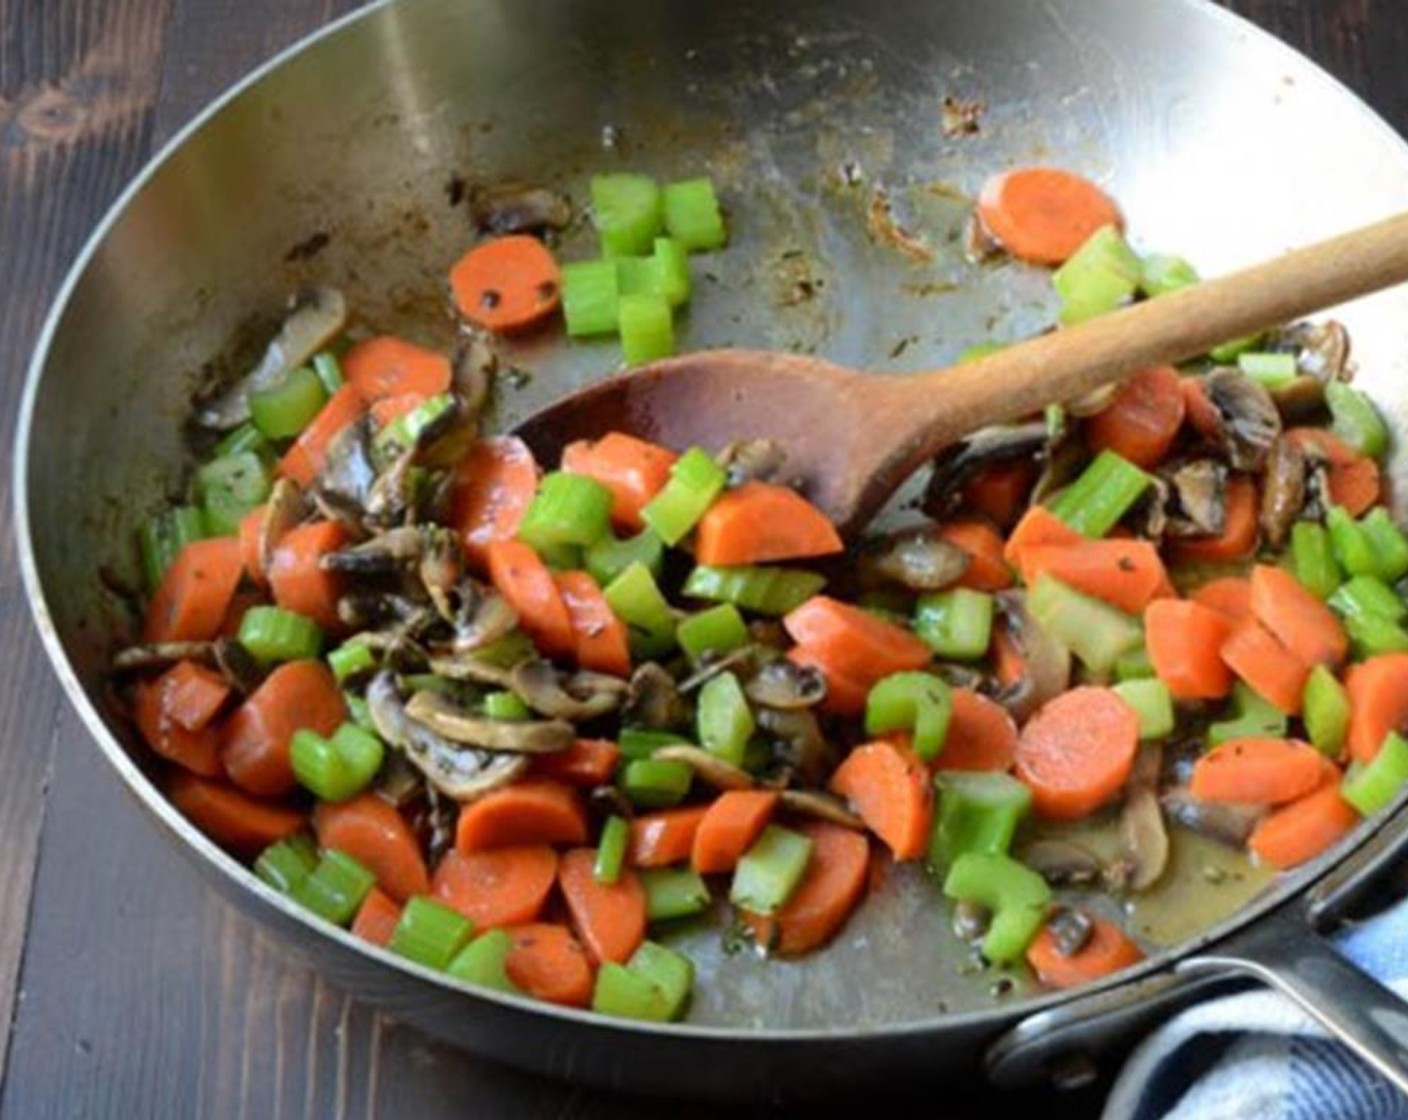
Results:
1161 273
1355 419
1371 786
335 888
650 620
1313 559
1353 551
714 630
272 634
770 870
1094 631
672 972
1368 595
430 933
350 659
1389 544
162 537
1274 369
611 850
1232 348
1015 895
1251 717
765 590
338 767
1153 703
637 742
504 705
287 862
1102 274
655 783
976 812
610 556
956 624
1325 710
1093 504
628 211
692 215
1372 634
288 406
591 298
568 509
329 371
244 438
664 273
626 994
672 892
647 329
695 481
725 721
228 489
482 961
1134 665
402 432
917 702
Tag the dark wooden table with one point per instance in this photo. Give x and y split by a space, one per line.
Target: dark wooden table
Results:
128 988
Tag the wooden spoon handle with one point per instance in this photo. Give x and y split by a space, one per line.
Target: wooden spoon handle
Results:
942 406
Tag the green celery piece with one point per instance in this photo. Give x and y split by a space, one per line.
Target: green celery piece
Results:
664 273
1016 896
1372 634
1153 703
626 994
505 705
1134 665
695 481
763 590
350 659
1371 787
1313 559
1102 274
329 371
287 862
338 767
568 509
1162 273
1274 370
1251 718
692 215
714 630
482 961
976 812
650 620
628 211
1368 595
724 720
1325 710
430 933
672 972
770 870
1093 504
287 407
656 783
672 892
1389 544
1353 550
162 537
335 888
955 624
1230 350
230 488
638 743
244 438
359 710
610 556
591 298
611 850
647 327
1094 631
916 702
403 432
272 634
1355 419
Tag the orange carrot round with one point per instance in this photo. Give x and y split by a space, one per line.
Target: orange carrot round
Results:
1184 639
1298 620
191 601
1077 751
1127 574
1038 526
300 694
376 918
1142 420
889 788
1043 214
758 522
729 827
527 812
831 887
634 470
1263 771
1107 950
609 917
981 734
601 639
296 575
1300 831
586 763
1230 596
387 366
853 641
192 695
548 963
304 461
987 570
373 833
498 887
1239 534
232 819
508 284
197 749
1269 669
845 694
660 839
1000 491
494 483
1378 702
525 581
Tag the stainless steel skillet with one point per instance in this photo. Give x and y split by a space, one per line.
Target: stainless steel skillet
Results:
1199 124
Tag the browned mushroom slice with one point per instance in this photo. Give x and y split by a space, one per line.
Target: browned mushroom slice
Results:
344 484
822 806
161 655
1248 422
653 700
1227 822
1300 400
478 615
785 684
467 667
1321 349
1145 837
1197 499
518 208
707 766
575 696
752 460
282 512
442 715
916 560
474 366
1062 862
460 772
384 554
1282 491
800 744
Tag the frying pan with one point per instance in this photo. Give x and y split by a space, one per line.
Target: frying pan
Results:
342 161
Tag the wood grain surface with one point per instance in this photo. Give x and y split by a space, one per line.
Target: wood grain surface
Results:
104 1019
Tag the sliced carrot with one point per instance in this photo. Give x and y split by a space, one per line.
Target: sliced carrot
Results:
1077 751
1300 621
192 694
304 461
1354 478
609 917
1000 491
981 734
494 483
1142 420
729 828
297 578
1106 950
251 529
387 366
548 963
831 887
987 570
525 581
758 522
232 819
1043 214
1239 534
601 639
1230 596
853 641
660 839
1300 831
1038 526
587 762
376 918
198 749
299 694
634 470
195 592
527 812
889 788
385 411
507 284
498 887
1266 666
1184 639
1202 417
373 833
845 694
1378 702
1127 574
1263 771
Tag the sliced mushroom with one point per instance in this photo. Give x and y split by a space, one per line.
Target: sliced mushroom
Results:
917 560
392 496
801 745
1282 491
161 655
474 367
1247 418
749 460
442 715
447 438
653 700
822 806
518 208
1062 862
440 568
344 485
479 615
740 661
1070 929
467 667
1321 349
1145 837
709 767
1197 499
785 684
315 318
1046 663
958 463
576 696
387 611
385 554
459 772
1299 400
282 512
1228 822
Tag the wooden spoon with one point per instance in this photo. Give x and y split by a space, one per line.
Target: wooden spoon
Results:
852 438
